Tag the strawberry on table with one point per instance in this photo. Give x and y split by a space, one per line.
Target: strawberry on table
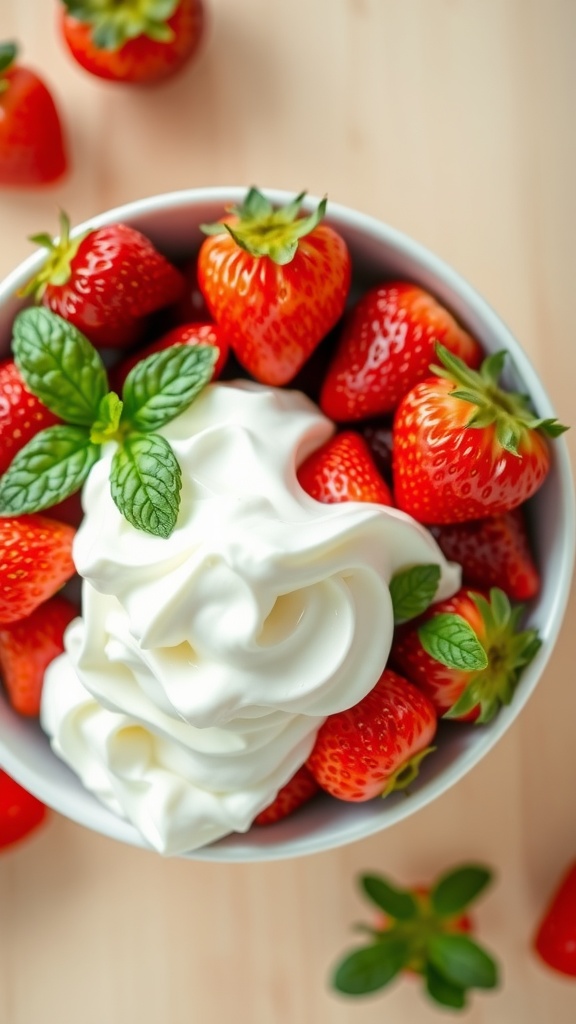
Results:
136 41
35 562
297 791
376 746
32 145
20 812
464 448
555 939
466 653
275 281
26 649
343 469
105 281
22 415
197 333
386 347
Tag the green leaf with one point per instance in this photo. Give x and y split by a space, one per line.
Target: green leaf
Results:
371 967
456 889
451 640
59 365
444 992
398 903
413 590
106 425
160 387
8 54
53 465
145 483
461 961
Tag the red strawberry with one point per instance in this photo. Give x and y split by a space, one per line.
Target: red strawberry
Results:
343 469
377 745
22 415
185 334
555 940
26 649
20 812
493 552
463 448
297 791
275 282
483 653
35 561
105 281
386 347
32 147
132 42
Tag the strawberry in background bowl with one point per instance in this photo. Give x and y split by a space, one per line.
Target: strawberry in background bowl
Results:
378 257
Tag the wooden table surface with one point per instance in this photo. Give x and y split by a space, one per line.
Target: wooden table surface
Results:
453 120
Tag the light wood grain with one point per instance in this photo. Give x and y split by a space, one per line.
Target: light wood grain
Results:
454 121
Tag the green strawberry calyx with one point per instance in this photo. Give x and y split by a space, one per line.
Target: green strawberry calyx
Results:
260 229
422 931
8 54
115 24
509 412
57 268
65 372
494 656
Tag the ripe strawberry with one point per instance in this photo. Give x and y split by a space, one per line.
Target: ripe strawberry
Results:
482 652
343 469
105 281
275 282
493 552
26 649
376 746
185 334
555 940
463 448
297 791
35 561
386 347
20 812
32 147
140 42
22 415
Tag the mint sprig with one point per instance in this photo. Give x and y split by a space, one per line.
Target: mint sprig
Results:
61 367
412 591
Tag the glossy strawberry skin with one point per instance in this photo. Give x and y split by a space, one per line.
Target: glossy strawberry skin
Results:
186 334
26 649
20 812
141 60
343 469
555 939
35 562
358 752
386 347
22 415
32 145
297 791
446 472
274 316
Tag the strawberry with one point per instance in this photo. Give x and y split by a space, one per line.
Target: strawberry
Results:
555 939
275 282
26 649
140 42
466 653
35 561
185 334
297 791
343 469
20 812
104 281
493 552
386 347
22 415
464 448
376 746
32 146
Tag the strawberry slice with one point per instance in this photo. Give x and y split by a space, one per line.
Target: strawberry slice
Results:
26 649
35 561
197 333
297 791
376 746
20 812
343 469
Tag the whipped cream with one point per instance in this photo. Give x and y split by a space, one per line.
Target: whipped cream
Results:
193 685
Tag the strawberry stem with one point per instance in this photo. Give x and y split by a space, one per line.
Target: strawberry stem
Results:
60 254
115 24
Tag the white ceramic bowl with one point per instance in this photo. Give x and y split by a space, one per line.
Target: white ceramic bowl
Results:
378 251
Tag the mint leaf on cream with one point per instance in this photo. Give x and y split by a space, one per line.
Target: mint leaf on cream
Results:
53 465
145 483
412 590
160 387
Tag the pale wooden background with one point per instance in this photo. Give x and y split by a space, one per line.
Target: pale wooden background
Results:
454 121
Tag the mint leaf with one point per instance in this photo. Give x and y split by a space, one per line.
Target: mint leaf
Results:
160 387
444 992
413 590
462 961
145 483
451 640
53 465
372 967
107 423
456 889
397 903
59 365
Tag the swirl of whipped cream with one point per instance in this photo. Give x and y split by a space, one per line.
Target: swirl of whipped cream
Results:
194 683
